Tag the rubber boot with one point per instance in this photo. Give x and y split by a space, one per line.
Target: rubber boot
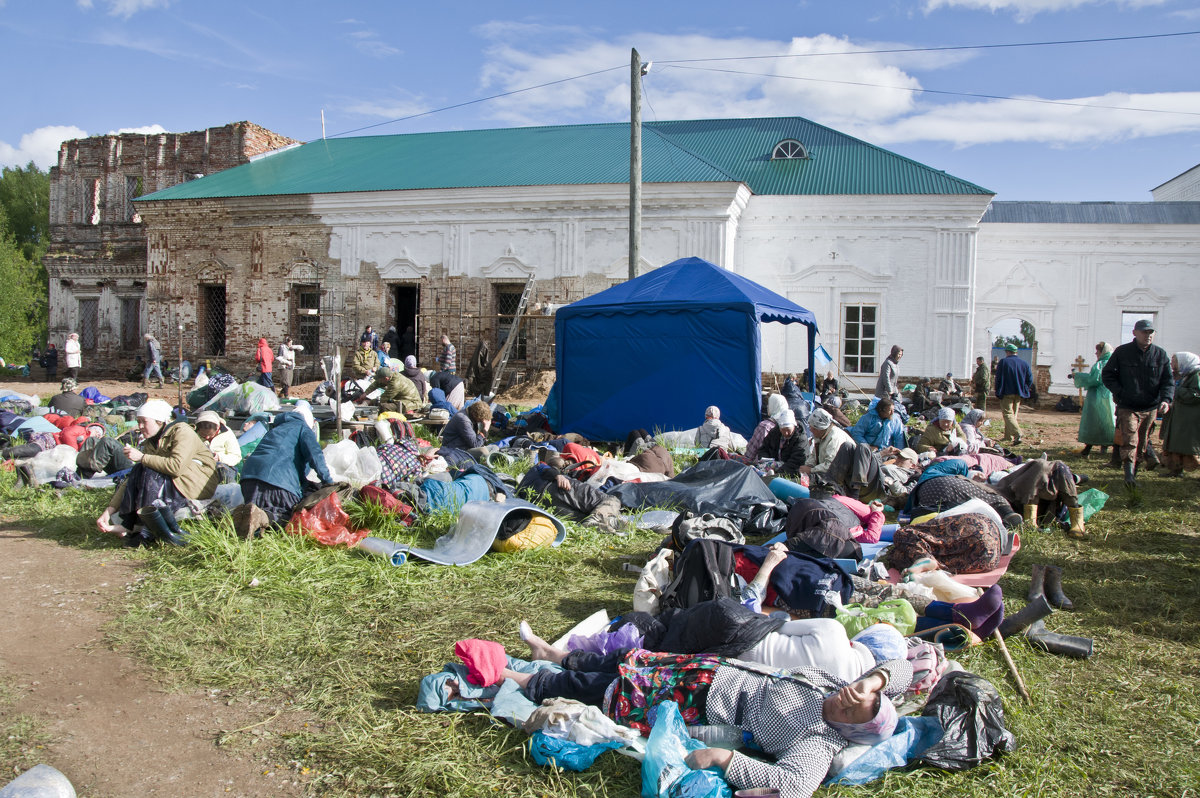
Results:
1115 460
1077 529
1037 583
1130 475
1087 451
1035 610
1151 457
1054 591
25 476
145 382
1031 514
1063 645
153 519
138 537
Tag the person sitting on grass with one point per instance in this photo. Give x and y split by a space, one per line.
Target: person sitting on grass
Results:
273 476
468 429
942 435
221 441
879 427
171 467
399 394
712 432
785 444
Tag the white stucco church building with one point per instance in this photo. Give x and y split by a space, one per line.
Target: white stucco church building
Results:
442 230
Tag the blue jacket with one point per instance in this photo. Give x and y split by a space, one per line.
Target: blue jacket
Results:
285 454
1013 376
873 430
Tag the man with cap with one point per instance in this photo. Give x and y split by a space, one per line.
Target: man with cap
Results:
1139 376
68 403
785 444
399 393
1014 382
712 432
827 440
981 381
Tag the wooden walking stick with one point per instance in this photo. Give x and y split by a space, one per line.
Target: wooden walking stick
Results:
1012 667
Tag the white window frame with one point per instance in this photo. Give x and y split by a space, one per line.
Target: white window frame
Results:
859 339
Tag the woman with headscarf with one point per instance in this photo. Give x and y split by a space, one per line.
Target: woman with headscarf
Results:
74 360
941 434
1097 421
972 434
414 373
1181 426
171 466
967 543
287 365
799 718
265 360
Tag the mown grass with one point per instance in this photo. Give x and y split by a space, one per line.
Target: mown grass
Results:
347 638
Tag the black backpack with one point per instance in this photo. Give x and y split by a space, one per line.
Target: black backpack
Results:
704 571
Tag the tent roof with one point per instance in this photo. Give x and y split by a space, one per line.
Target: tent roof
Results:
690 284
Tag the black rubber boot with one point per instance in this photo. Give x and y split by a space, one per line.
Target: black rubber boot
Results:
1063 645
1037 583
138 537
1151 457
1034 611
1130 475
1087 451
1054 591
156 525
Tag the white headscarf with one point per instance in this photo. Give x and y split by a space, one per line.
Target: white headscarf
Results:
820 419
1188 363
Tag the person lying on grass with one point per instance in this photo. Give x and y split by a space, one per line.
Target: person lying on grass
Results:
800 718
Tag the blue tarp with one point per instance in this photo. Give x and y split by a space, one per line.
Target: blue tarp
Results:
655 351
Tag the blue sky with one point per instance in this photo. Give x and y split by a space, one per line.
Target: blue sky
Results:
97 66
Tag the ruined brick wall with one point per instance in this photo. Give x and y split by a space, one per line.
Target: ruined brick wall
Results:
96 261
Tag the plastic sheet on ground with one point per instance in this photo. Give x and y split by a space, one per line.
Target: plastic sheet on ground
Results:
721 487
478 524
255 398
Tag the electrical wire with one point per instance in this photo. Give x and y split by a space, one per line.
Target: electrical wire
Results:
937 91
896 50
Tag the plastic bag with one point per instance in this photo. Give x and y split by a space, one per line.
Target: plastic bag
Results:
606 642
898 612
326 522
1092 501
664 773
255 398
348 463
548 750
971 714
912 737
47 464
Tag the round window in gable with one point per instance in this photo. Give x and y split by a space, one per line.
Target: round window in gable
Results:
788 150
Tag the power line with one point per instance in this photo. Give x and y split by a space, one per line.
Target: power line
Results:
475 101
896 50
937 91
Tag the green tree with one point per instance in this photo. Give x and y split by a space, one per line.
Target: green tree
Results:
25 199
22 302
1026 340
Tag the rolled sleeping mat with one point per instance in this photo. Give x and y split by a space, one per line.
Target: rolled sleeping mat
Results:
40 781
885 535
785 489
395 553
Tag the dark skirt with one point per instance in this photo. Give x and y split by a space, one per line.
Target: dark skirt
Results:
963 544
276 502
145 487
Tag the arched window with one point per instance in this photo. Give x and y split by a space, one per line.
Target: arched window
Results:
789 149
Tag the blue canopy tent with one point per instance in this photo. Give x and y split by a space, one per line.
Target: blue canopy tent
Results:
655 351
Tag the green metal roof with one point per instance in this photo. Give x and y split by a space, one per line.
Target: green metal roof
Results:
688 151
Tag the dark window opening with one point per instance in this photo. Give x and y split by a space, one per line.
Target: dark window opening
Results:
133 190
508 299
306 316
89 323
408 309
131 323
212 319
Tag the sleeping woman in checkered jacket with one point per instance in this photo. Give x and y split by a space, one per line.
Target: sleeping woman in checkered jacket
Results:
800 718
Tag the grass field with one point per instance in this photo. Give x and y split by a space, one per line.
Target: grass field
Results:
341 640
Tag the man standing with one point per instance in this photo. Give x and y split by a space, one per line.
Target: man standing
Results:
153 361
1014 382
447 360
885 386
1139 376
982 381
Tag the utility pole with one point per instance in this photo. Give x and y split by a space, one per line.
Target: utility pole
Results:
635 163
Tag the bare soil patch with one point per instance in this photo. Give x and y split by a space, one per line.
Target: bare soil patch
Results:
112 730
530 392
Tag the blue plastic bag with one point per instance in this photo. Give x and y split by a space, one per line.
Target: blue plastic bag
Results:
913 736
548 750
664 772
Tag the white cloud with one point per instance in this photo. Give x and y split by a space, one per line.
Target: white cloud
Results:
367 42
147 130
125 8
1027 9
1186 13
967 123
389 108
40 146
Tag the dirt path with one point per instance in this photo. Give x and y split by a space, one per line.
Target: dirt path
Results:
113 731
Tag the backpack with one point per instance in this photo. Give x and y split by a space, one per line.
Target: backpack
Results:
704 571
689 526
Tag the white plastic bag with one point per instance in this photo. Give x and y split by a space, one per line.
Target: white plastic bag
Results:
348 463
47 464
255 398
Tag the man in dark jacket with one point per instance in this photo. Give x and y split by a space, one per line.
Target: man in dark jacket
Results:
68 402
1014 382
1139 376
573 500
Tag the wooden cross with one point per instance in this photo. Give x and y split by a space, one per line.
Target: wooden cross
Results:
1080 366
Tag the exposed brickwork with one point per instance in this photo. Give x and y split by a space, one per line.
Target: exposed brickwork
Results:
98 246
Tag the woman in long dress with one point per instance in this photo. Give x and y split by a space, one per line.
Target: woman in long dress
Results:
1097 422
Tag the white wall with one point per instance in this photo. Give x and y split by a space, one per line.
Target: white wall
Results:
1182 188
1072 281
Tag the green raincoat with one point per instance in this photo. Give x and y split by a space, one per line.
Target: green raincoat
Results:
1097 423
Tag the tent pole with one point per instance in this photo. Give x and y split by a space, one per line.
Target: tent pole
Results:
812 359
